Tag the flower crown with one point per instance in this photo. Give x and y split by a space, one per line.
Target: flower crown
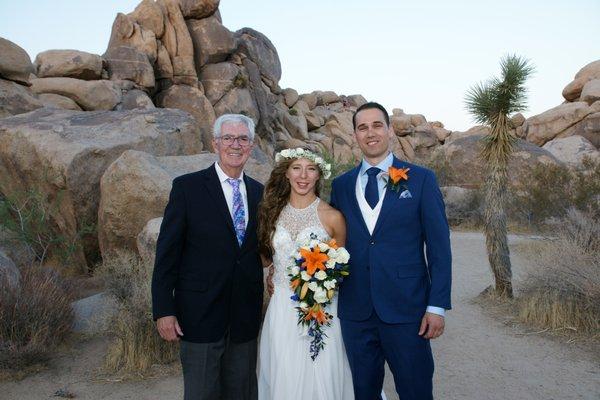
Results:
325 167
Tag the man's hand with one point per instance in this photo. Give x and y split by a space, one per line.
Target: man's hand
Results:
432 326
270 285
169 328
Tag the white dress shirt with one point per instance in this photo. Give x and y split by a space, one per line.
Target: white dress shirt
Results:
371 215
228 191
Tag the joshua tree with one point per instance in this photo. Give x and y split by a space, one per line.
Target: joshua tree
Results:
491 104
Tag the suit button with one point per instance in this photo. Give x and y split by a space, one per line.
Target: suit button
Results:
372 242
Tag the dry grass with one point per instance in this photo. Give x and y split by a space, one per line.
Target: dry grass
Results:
562 290
35 317
137 345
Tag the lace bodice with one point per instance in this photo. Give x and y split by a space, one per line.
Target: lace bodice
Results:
293 224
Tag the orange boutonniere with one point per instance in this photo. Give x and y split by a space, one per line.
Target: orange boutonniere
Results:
396 178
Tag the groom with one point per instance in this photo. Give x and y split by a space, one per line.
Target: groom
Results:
207 284
394 300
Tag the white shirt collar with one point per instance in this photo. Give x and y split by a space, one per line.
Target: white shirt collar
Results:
223 176
383 165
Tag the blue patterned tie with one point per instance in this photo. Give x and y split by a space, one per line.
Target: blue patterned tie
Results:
239 217
372 191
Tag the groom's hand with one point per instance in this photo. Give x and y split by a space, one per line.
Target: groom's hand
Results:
432 326
169 328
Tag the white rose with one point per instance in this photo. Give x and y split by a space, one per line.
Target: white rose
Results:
320 296
330 263
320 275
324 247
330 284
314 286
295 271
342 256
305 276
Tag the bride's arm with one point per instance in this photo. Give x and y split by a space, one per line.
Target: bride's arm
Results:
335 224
268 263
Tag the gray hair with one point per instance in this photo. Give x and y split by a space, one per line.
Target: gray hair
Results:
235 118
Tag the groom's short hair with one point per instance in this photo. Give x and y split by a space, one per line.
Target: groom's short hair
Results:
368 106
236 119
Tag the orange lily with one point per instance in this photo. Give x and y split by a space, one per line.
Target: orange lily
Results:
398 174
294 284
313 260
320 316
333 244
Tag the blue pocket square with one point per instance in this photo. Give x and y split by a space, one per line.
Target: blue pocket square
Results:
406 194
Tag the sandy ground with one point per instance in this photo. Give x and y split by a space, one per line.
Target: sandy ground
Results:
479 357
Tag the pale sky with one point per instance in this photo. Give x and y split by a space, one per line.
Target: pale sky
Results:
420 56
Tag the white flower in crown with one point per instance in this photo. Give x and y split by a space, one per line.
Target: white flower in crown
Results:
309 155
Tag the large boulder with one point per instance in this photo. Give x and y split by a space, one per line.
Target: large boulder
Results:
16 99
128 63
146 240
94 315
218 79
178 43
89 95
57 101
213 42
192 100
467 168
589 128
573 90
262 52
460 203
572 150
15 64
15 248
62 155
238 100
556 121
126 32
290 96
199 9
68 63
149 15
136 99
591 91
135 189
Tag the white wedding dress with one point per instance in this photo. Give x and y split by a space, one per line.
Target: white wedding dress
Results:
286 371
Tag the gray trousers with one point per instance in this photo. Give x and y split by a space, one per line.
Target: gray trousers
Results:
219 371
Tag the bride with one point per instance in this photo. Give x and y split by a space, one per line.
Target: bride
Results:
290 211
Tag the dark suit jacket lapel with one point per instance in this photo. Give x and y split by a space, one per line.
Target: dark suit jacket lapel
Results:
351 190
389 200
216 192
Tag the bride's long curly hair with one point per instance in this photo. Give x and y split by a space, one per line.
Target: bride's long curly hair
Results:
276 195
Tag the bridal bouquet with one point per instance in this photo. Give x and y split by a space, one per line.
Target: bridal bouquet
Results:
316 270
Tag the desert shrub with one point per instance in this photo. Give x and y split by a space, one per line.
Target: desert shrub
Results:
35 317
27 215
137 345
337 168
562 290
548 191
240 81
444 172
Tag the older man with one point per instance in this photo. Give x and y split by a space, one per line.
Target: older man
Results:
207 284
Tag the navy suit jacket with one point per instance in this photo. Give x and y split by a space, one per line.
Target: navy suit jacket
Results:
201 274
405 265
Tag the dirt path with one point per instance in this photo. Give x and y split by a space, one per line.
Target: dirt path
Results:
479 357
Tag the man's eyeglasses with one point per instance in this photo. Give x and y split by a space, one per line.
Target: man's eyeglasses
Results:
228 140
